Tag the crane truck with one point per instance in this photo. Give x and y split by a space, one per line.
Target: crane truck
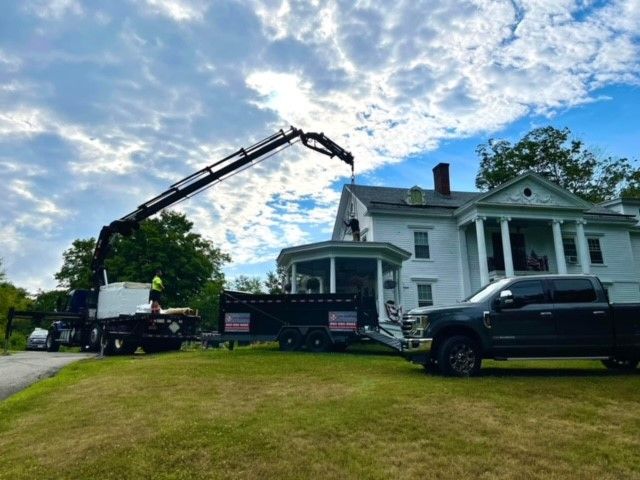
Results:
105 317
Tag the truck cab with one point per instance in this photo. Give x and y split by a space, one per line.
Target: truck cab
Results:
532 317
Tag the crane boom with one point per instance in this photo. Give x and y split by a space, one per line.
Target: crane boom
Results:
201 179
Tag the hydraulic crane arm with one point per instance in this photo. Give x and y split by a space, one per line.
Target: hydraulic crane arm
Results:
201 179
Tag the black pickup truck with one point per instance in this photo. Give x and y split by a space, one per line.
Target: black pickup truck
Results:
532 317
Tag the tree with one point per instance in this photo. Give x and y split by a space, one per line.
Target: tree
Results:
560 158
247 284
18 298
76 265
3 275
187 260
51 300
275 281
207 302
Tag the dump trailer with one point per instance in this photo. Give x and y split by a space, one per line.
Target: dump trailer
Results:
315 322
86 323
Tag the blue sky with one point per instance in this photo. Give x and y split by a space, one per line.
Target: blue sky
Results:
103 105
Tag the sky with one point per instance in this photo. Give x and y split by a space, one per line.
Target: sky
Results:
103 105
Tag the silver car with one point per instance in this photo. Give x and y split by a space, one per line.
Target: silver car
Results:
37 340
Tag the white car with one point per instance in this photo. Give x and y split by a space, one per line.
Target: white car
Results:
37 340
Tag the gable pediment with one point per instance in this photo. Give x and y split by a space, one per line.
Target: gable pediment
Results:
532 190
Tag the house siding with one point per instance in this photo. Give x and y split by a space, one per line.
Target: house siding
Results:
442 270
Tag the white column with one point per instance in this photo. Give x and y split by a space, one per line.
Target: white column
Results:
332 274
294 275
506 247
482 252
399 285
381 312
463 255
583 247
557 243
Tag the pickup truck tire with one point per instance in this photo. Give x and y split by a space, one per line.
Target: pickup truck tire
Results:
52 345
318 341
459 356
620 363
290 339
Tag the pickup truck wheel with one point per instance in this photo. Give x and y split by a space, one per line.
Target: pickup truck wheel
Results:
318 341
620 363
52 345
290 339
459 356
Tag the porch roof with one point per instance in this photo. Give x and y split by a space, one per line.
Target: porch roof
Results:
333 248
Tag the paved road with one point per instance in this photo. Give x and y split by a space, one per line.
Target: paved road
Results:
19 370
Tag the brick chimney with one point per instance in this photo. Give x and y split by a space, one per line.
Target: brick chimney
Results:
441 179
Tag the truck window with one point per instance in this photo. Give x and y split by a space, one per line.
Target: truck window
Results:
525 293
573 290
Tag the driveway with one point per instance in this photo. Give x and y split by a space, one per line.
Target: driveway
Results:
21 369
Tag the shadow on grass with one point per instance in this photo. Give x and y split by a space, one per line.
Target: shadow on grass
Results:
552 372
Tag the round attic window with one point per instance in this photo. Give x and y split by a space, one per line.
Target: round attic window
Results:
527 192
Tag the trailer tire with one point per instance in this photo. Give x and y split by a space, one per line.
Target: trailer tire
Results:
106 344
290 339
123 346
459 356
95 336
318 341
52 345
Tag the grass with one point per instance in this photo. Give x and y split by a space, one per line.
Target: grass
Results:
259 413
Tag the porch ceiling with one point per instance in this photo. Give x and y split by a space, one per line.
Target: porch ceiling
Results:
384 251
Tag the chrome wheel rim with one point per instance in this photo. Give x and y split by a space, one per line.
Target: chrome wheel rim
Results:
462 358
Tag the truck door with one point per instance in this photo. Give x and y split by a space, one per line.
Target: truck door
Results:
583 318
524 325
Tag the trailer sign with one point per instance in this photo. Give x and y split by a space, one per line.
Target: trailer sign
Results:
237 322
346 321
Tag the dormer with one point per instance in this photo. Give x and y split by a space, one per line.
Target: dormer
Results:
416 196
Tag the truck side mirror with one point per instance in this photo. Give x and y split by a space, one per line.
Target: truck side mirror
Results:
506 298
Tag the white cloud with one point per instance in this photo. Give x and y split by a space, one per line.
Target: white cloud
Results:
115 110
178 10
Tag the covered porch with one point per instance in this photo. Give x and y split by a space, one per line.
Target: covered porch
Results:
501 246
362 268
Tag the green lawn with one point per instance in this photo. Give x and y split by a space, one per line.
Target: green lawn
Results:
258 413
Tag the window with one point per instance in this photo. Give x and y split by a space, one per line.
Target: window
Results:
594 251
573 291
421 240
525 293
425 295
570 250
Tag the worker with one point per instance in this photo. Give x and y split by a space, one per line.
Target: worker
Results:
155 295
354 225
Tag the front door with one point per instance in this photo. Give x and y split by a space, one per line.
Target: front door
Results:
525 327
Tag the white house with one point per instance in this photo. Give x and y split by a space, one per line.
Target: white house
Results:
441 245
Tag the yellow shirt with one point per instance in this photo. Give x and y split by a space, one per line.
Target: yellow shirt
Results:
156 284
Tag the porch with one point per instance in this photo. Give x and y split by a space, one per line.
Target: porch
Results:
362 268
499 247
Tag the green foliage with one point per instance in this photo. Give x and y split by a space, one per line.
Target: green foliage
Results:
275 281
3 275
560 158
243 283
207 302
76 265
11 296
187 260
51 300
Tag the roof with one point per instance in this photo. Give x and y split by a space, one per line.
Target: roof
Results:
373 197
392 199
335 248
